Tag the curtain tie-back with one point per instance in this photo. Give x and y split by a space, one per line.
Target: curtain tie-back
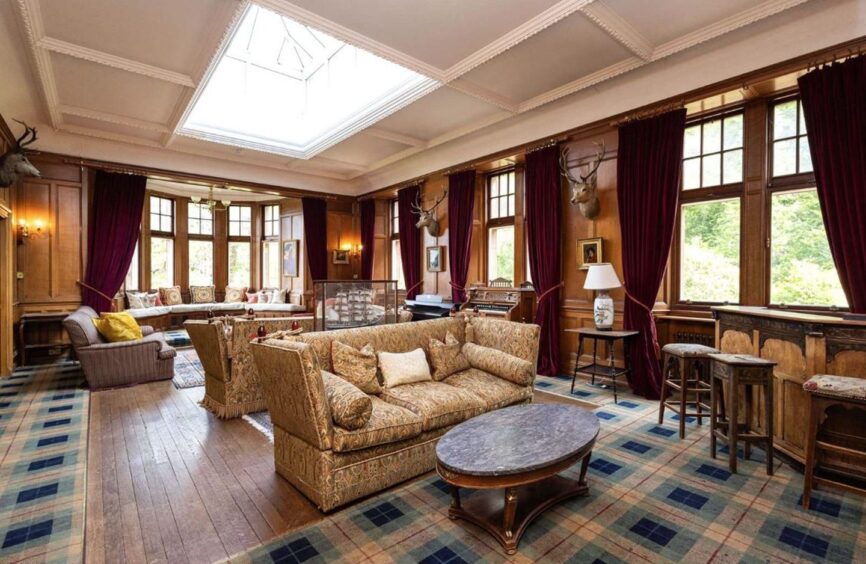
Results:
92 289
550 290
653 332
416 286
457 287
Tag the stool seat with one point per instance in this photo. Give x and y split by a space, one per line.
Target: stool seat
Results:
836 386
741 360
688 349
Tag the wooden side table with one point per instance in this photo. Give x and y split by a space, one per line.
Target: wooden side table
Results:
594 368
35 333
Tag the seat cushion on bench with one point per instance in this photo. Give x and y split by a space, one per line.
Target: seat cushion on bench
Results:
388 423
495 391
836 386
439 404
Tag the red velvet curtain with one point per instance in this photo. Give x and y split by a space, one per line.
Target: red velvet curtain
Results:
834 106
649 165
115 225
410 240
543 225
316 236
368 230
461 206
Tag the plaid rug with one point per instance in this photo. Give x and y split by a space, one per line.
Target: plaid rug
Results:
188 371
652 498
178 338
43 451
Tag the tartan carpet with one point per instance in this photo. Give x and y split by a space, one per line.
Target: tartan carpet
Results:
652 498
43 451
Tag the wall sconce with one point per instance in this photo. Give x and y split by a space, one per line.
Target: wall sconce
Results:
24 229
354 250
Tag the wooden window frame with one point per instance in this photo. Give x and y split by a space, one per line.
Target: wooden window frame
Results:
160 233
488 198
394 214
199 207
275 221
720 116
785 182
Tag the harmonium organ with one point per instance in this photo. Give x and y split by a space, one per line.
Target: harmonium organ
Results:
513 304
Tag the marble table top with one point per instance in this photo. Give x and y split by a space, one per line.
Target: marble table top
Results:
516 439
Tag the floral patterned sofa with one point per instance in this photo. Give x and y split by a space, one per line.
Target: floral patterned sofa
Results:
333 465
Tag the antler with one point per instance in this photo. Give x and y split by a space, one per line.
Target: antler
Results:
563 166
420 209
598 158
438 200
20 143
416 205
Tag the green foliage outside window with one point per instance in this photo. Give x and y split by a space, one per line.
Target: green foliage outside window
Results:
710 252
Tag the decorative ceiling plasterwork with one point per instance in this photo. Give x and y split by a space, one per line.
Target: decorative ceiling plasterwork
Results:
621 28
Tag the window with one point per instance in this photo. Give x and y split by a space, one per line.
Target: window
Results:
239 263
500 194
710 251
271 217
396 259
161 215
500 226
161 262
200 262
713 152
802 271
395 219
200 219
131 282
501 252
790 154
271 246
240 221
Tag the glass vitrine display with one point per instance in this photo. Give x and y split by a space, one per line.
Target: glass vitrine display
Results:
343 304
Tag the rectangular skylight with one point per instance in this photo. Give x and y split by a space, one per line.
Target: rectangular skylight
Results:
283 87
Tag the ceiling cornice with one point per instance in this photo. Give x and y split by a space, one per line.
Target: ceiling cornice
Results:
617 27
484 94
396 137
112 118
31 20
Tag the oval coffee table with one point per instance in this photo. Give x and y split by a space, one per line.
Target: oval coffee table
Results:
520 449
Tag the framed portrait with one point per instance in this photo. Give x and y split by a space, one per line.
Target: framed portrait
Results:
435 259
341 256
290 258
589 251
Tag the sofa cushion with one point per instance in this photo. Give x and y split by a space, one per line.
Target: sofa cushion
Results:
502 364
149 311
202 294
399 369
388 423
134 300
350 407
439 404
234 294
170 296
117 327
356 366
446 357
495 391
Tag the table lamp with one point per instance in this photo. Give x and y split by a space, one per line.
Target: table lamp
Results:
602 277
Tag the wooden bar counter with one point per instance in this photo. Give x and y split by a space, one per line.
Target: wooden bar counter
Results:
803 345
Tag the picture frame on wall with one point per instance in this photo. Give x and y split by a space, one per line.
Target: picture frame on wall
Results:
589 251
341 256
290 258
436 259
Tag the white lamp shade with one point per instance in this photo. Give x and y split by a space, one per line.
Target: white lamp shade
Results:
601 276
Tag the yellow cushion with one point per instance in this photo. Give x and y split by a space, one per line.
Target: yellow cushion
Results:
118 327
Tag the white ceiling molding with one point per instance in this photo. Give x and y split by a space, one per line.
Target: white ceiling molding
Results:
617 27
112 118
31 21
396 137
484 94
109 136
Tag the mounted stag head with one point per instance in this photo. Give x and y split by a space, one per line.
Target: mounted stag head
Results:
14 163
584 191
427 218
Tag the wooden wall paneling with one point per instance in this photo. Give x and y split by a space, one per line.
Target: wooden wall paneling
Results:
521 266
7 320
144 247
220 251
436 282
34 252
381 242
292 227
755 255
68 241
181 245
256 230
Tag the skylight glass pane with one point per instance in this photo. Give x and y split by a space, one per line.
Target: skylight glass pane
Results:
282 86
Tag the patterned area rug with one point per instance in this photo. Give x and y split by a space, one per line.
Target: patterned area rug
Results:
43 452
177 338
188 371
653 497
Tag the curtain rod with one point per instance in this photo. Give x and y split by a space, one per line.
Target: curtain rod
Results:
650 112
833 58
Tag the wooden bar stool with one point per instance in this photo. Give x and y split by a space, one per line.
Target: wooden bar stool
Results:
747 371
826 391
686 371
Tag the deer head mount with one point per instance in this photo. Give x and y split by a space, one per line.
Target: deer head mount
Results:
427 218
14 163
584 190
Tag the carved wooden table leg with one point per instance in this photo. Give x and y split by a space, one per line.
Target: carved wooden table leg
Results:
455 499
508 520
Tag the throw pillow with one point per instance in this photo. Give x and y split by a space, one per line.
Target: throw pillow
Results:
117 327
134 300
404 368
151 299
202 294
350 407
235 295
446 357
170 296
252 298
356 366
498 363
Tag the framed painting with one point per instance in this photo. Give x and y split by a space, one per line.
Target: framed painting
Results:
435 259
290 258
589 251
341 256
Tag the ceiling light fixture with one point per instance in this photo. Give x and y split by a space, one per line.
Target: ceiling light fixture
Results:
210 202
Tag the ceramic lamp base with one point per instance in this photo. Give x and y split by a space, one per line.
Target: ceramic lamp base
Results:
603 311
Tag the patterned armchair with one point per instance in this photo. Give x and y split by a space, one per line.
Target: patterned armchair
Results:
108 365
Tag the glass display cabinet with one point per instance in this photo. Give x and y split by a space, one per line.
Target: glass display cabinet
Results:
343 304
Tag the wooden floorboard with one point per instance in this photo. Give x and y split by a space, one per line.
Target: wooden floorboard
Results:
169 482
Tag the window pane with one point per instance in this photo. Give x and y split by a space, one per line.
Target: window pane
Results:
154 222
733 132
712 175
165 224
194 226
503 206
131 281
785 157
501 253
166 206
691 174
397 265
245 229
245 213
206 227
511 205
692 143
805 155
785 120
271 264
712 136
161 262
233 213
710 252
802 121
802 270
494 186
239 264
733 166
200 263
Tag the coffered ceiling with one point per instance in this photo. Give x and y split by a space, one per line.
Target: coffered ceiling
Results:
127 72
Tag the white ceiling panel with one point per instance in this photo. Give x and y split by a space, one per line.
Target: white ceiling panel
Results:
438 32
566 51
112 128
438 113
96 87
363 150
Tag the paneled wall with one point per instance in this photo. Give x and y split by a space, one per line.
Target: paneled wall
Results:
7 268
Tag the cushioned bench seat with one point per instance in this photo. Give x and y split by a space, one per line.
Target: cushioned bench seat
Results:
173 316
